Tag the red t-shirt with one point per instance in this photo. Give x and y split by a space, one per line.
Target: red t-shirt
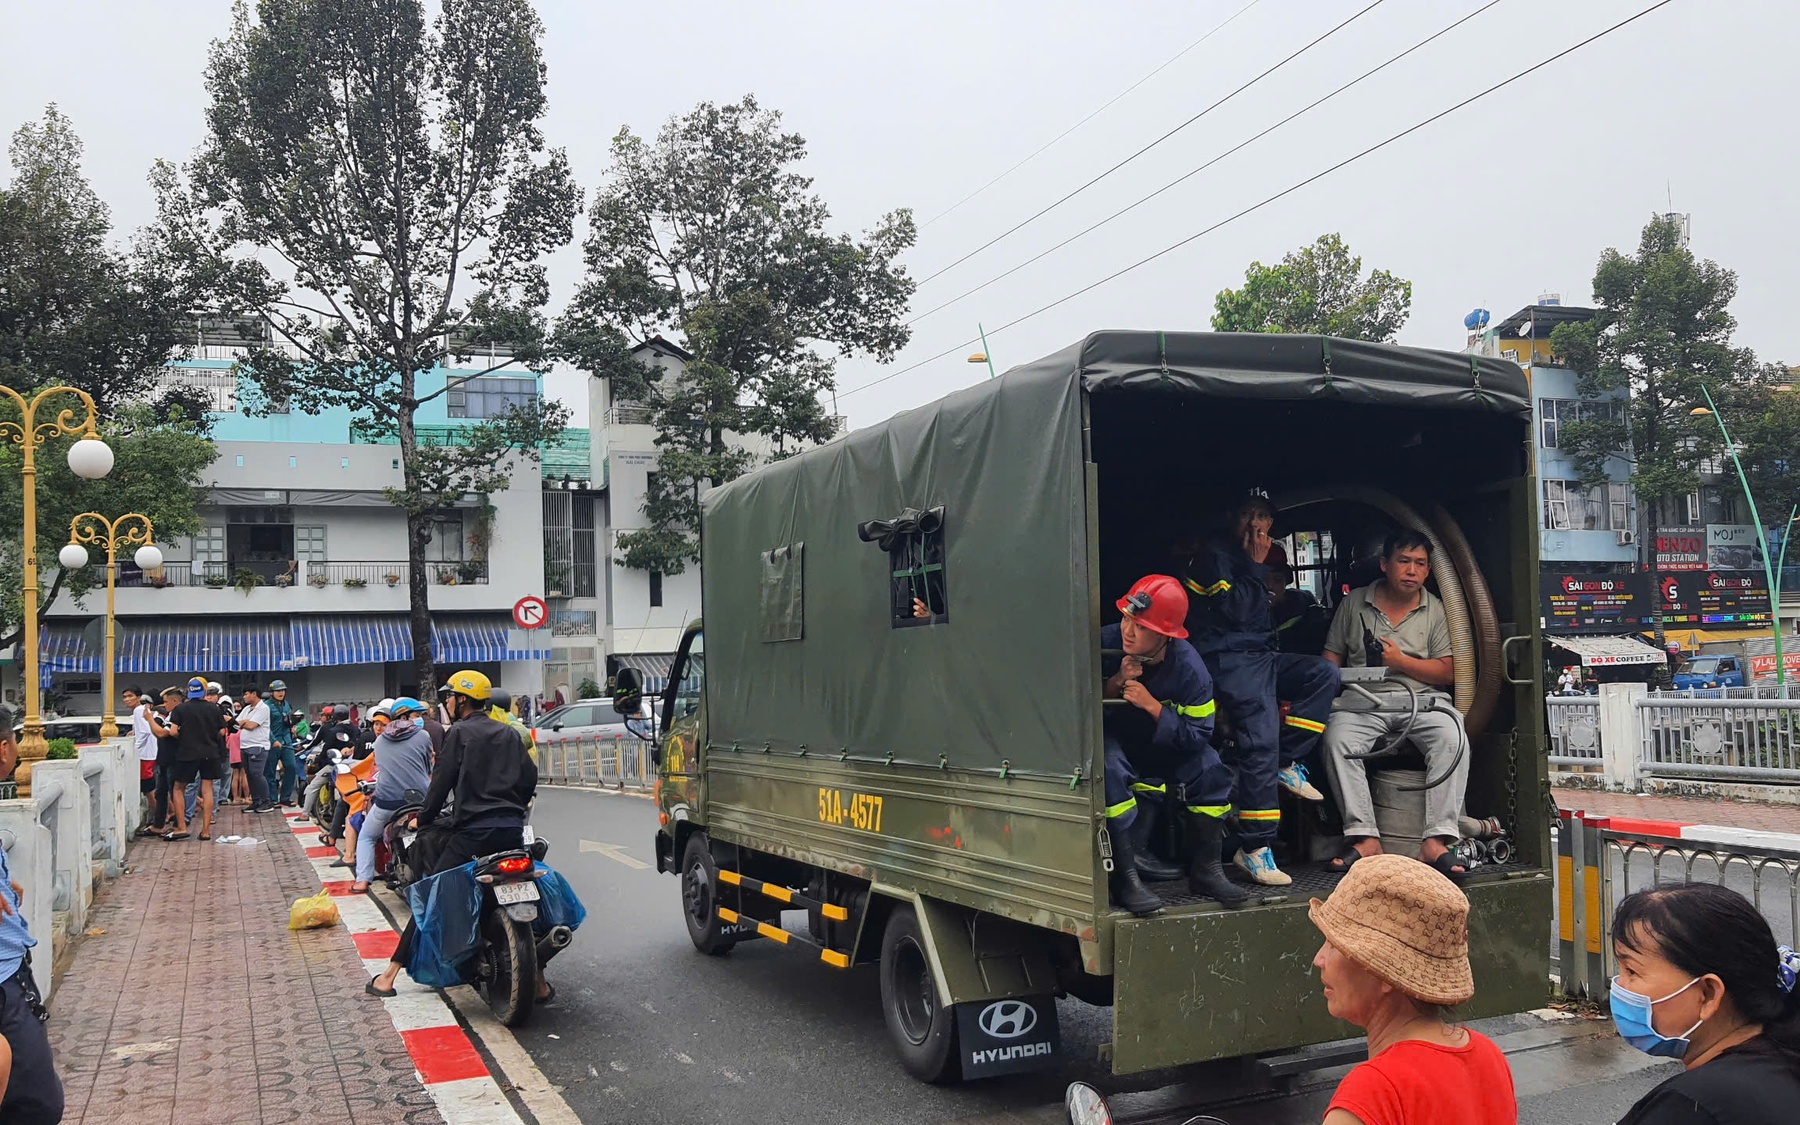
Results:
1418 1083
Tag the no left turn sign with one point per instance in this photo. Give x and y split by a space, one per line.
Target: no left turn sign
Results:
529 612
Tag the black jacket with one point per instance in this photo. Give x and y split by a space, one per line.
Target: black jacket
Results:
486 765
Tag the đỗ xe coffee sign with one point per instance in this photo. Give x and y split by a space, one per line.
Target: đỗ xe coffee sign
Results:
1574 602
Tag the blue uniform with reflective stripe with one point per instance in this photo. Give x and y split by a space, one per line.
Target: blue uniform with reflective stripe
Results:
1231 618
1177 746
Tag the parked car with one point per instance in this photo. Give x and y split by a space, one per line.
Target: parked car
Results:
84 730
590 720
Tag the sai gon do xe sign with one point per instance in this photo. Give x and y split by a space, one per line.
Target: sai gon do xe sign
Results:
1714 597
1594 603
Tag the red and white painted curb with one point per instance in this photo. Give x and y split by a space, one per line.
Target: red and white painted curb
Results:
1698 833
444 1056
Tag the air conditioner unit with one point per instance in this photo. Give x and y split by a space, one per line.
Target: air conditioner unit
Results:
1626 538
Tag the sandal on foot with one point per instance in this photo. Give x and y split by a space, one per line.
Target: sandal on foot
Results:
1341 863
359 888
548 996
176 836
382 992
1446 864
206 835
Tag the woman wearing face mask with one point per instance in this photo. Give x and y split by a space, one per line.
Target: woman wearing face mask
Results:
1701 980
1395 959
402 762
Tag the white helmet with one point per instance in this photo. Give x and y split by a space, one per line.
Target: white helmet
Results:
384 708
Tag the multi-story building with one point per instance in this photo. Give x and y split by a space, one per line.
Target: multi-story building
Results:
300 570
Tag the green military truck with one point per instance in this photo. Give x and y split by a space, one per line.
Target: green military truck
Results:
891 717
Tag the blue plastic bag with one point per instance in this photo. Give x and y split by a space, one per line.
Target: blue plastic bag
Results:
446 909
557 904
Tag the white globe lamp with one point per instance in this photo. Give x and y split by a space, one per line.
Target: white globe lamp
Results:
90 458
73 556
148 557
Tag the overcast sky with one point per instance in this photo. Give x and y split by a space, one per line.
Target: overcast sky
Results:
919 104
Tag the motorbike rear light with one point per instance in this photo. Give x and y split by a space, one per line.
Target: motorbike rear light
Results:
518 865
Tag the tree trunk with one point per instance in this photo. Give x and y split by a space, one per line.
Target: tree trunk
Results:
418 583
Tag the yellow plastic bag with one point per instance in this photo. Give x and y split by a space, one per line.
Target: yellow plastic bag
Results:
311 913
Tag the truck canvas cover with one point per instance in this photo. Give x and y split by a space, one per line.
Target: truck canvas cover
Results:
805 655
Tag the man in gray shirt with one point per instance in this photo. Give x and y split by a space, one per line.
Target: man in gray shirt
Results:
1402 618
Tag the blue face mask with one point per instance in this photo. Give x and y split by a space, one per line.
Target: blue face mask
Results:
1631 1013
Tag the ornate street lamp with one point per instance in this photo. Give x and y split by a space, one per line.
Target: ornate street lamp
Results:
90 458
86 528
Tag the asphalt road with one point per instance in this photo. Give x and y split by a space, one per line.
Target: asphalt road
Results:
645 1029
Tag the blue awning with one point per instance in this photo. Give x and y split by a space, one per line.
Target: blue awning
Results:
348 638
472 638
186 645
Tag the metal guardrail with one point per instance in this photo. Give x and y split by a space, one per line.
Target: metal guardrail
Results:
1720 739
1574 729
619 762
1600 862
1789 690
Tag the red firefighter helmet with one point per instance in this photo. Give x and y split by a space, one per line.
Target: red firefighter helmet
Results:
1159 604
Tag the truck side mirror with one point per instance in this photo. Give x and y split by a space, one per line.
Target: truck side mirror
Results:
628 691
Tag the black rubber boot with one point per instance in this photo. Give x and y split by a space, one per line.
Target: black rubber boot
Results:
1206 839
1148 864
1128 890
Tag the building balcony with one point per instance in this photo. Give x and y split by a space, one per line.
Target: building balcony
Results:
316 587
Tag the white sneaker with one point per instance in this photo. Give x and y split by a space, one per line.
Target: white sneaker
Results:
1295 781
1260 866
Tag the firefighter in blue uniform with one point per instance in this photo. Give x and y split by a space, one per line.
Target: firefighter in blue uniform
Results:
1234 631
1161 726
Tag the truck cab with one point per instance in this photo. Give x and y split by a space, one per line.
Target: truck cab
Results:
1710 670
883 744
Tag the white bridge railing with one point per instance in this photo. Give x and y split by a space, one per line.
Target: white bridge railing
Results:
71 832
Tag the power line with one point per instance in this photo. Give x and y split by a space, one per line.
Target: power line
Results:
1270 199
1071 195
1194 172
1053 140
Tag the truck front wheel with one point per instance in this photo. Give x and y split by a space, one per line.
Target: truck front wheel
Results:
699 898
923 1029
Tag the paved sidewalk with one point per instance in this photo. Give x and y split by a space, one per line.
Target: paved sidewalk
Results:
1691 810
195 1003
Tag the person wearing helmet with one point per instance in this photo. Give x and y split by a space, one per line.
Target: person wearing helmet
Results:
402 763
1234 631
494 781
1162 727
500 709
339 734
282 770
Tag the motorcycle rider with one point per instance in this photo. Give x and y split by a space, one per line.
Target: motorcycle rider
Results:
501 710
494 780
339 734
402 762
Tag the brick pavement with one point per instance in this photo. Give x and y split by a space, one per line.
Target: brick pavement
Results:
1693 810
197 1004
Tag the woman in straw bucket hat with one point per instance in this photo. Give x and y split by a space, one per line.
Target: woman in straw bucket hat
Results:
1395 959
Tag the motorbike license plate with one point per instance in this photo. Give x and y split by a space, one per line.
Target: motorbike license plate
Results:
407 838
505 893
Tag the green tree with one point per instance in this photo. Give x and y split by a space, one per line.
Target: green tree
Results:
710 236
394 166
76 312
1319 290
1662 332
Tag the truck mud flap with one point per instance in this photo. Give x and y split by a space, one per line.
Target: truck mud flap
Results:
1008 1036
1220 984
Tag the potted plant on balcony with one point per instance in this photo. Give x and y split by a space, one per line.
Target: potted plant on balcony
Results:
446 576
316 578
391 579
246 580
355 583
215 579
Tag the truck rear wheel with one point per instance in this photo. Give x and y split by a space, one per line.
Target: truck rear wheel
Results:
699 898
923 1029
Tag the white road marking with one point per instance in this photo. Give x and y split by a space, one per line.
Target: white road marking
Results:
614 851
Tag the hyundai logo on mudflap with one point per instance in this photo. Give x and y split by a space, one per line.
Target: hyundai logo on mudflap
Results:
1008 1019
1008 1035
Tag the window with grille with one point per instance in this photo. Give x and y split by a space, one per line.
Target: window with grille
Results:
488 397
309 543
1570 507
209 551
583 547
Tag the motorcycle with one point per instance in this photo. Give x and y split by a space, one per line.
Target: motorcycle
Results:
511 954
397 859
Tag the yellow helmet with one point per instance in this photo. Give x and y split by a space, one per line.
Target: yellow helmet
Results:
470 683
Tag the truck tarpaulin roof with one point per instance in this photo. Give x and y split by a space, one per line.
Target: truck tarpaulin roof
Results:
1008 677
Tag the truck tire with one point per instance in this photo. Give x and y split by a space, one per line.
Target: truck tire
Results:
699 900
923 1029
